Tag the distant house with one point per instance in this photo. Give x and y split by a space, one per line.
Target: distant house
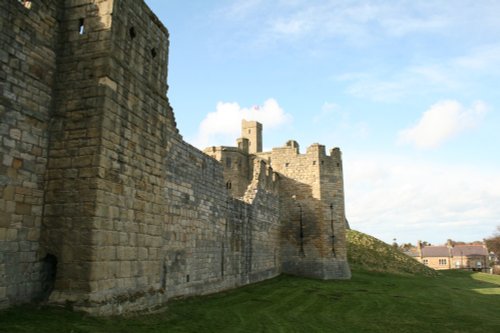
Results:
471 257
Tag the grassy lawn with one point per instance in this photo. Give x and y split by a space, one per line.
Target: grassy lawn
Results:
370 302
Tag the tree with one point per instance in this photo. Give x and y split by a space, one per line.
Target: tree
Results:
406 246
493 243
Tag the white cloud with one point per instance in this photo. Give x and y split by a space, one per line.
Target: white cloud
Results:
486 57
441 122
240 9
356 22
399 197
381 90
223 126
342 127
327 110
456 75
406 24
290 27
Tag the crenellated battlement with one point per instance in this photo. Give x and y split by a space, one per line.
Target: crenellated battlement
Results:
311 193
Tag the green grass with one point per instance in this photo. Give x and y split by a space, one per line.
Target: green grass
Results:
370 254
389 292
370 302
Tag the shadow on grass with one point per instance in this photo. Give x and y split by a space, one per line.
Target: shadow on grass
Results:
486 284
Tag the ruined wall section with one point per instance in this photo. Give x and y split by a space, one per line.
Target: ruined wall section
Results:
237 168
263 196
28 42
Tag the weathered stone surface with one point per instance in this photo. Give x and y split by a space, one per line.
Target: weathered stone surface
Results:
103 205
28 39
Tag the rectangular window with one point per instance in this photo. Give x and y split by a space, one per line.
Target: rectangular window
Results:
426 262
442 262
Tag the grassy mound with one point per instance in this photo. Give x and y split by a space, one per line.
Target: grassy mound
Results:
367 253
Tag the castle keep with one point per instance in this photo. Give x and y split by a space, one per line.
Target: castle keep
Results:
102 203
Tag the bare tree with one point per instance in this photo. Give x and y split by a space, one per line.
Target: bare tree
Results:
493 242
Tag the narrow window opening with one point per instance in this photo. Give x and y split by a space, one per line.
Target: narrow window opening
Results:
314 162
338 164
187 278
153 52
286 165
301 230
228 185
131 32
81 26
332 230
164 276
222 260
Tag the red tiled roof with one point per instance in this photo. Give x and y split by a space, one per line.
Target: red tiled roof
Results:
469 250
435 251
456 251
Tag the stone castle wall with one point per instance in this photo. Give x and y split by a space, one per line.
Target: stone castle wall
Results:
132 215
28 58
102 203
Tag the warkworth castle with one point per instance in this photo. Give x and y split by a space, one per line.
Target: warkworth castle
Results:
103 205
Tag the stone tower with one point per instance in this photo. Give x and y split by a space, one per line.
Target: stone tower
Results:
312 211
252 130
108 129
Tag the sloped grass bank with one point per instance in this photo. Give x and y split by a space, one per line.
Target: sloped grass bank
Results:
371 254
370 302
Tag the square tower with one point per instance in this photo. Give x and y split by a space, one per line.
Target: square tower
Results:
252 130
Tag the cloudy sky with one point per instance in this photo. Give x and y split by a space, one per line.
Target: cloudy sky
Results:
409 90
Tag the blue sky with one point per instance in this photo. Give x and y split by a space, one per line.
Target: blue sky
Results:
409 90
